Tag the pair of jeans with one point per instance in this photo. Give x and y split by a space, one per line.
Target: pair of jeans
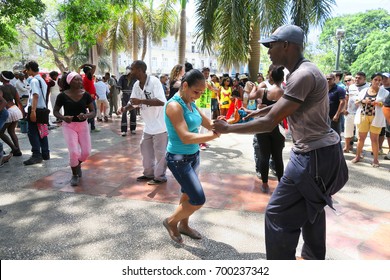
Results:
92 120
39 146
185 170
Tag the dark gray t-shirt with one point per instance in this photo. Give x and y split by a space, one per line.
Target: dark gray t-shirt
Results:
310 124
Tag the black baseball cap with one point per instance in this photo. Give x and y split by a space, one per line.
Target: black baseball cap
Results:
290 33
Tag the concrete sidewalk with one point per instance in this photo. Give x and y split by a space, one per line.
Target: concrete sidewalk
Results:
111 217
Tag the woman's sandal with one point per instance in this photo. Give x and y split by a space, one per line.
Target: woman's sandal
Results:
375 165
355 160
192 233
5 159
177 239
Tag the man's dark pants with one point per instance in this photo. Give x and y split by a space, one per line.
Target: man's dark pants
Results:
133 116
287 211
39 146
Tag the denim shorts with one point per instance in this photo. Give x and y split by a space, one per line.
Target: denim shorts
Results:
214 104
184 169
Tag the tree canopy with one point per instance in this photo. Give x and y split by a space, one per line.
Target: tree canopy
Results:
13 13
84 19
365 43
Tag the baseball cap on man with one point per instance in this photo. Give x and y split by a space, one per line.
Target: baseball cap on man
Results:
290 33
242 77
387 75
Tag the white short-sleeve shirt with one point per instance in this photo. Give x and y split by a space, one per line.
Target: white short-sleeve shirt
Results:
153 116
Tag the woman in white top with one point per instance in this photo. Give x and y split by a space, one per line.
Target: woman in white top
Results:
54 91
102 102
369 117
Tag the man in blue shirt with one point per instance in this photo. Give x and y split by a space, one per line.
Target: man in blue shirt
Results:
336 96
39 145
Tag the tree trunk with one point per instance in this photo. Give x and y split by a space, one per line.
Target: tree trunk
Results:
114 58
144 44
254 52
182 37
59 63
134 34
94 55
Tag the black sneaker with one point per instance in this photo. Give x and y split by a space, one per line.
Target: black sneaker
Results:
156 182
144 178
17 153
46 157
79 172
32 160
74 181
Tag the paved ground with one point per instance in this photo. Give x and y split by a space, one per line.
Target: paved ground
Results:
111 216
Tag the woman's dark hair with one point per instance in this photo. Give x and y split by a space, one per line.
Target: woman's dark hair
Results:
63 84
53 75
192 77
188 66
32 65
8 75
226 79
376 74
277 73
236 93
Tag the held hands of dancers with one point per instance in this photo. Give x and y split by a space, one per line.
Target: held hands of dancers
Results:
220 125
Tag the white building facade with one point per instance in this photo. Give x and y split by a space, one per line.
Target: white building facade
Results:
161 58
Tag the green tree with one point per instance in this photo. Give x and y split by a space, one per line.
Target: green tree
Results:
84 21
373 53
357 28
151 25
236 25
47 32
13 13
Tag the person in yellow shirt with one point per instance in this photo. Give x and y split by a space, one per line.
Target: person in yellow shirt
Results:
225 94
214 96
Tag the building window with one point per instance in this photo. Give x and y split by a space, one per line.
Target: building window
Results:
165 44
154 61
165 62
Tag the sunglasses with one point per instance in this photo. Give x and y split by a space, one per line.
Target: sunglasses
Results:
347 80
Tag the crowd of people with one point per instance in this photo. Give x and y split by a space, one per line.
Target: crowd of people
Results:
187 108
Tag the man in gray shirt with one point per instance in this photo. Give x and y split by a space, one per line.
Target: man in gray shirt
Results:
317 167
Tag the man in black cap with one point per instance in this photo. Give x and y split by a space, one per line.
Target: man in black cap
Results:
317 167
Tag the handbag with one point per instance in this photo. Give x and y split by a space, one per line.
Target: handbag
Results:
41 113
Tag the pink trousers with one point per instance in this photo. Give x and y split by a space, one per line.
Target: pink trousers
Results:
78 140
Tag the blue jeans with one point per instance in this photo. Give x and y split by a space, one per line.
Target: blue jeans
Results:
92 120
39 146
184 169
3 119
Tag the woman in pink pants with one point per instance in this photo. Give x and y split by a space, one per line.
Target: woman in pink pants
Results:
75 101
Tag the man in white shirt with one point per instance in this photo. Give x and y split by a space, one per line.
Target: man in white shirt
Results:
148 94
39 145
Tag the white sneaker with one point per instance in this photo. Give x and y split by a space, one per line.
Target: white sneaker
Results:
124 133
